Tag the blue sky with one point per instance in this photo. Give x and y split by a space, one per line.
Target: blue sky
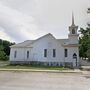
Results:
29 19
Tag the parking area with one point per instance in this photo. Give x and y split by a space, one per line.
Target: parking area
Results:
44 81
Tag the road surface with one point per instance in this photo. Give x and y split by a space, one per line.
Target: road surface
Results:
44 81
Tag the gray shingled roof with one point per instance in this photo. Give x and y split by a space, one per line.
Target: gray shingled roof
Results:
62 41
23 44
28 42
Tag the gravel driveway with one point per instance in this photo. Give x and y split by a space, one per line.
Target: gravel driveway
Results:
44 81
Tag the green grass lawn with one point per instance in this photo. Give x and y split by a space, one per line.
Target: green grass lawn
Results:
6 65
33 67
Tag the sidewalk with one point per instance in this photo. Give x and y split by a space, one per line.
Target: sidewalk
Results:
85 67
49 71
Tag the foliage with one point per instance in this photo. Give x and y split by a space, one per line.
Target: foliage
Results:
3 56
7 45
84 42
5 49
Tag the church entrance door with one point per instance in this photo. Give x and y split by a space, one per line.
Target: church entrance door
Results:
75 58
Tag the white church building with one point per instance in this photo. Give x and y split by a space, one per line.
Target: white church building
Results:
48 51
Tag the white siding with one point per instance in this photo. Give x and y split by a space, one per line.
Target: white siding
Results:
21 54
48 43
71 51
36 53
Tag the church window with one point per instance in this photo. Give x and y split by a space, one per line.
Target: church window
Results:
54 52
73 31
74 56
27 54
15 54
66 52
45 52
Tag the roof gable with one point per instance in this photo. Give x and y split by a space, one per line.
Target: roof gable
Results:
28 43
49 35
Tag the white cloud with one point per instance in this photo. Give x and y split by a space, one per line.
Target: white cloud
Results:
4 36
17 25
29 19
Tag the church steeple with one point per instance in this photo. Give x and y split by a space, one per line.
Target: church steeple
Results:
73 28
73 35
73 19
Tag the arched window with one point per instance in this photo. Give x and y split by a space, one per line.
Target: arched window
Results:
54 52
73 31
27 54
15 54
45 52
74 56
66 52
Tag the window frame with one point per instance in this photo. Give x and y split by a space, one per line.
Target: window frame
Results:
54 53
74 56
27 54
73 31
66 52
15 54
45 52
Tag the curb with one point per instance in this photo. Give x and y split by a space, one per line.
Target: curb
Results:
47 71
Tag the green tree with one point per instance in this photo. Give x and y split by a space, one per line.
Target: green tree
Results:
3 56
7 45
5 49
84 42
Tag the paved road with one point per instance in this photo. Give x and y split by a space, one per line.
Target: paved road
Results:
44 81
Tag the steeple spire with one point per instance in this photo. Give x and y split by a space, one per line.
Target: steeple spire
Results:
73 35
73 19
